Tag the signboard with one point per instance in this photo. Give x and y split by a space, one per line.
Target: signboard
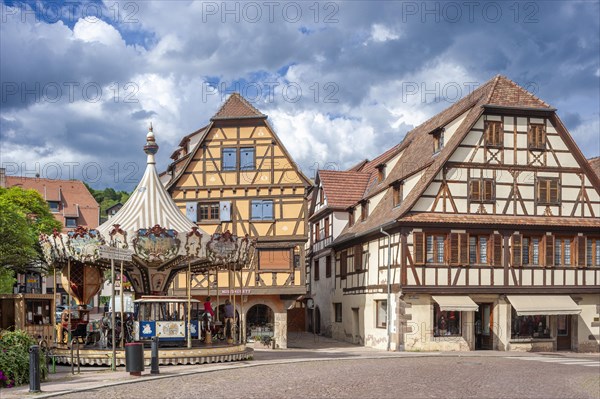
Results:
115 253
127 300
237 292
225 211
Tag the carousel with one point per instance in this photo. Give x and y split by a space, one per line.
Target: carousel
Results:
149 241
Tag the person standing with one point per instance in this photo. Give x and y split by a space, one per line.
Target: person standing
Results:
229 319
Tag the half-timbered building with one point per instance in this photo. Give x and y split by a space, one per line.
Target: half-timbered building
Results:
482 224
236 175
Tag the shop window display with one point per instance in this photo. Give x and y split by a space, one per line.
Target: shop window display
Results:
529 326
446 323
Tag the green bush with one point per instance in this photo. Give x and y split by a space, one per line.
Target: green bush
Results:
14 358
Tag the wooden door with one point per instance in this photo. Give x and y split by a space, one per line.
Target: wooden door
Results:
484 321
563 332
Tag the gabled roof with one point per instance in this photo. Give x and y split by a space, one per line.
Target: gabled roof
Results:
73 195
343 188
237 107
234 108
418 153
595 165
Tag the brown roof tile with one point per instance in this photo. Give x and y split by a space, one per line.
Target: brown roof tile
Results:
595 164
236 107
418 154
74 197
507 93
343 188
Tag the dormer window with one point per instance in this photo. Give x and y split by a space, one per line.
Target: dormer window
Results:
438 139
380 172
53 206
364 210
351 217
397 194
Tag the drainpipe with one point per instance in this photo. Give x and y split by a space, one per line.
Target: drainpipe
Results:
389 286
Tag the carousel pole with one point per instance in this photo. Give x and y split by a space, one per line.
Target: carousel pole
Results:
122 312
55 321
242 329
217 281
69 304
112 316
234 321
189 304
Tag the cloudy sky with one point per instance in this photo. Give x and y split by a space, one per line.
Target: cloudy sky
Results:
340 81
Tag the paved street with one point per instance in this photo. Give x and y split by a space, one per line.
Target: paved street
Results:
409 377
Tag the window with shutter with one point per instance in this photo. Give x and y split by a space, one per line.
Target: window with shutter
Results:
358 251
397 194
593 251
493 133
316 269
247 158
517 250
549 250
581 246
328 266
419 248
475 190
326 230
536 136
229 159
343 264
463 239
488 190
548 192
257 210
497 249
479 249
454 249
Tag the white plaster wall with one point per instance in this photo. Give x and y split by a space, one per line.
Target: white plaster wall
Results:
375 200
340 220
585 331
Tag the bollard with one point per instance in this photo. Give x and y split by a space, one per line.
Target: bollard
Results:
154 361
34 368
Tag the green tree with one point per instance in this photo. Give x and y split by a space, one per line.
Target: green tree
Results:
23 216
7 280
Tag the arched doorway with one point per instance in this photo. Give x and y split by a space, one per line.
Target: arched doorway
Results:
317 320
259 321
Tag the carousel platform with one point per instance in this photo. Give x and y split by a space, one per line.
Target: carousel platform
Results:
198 354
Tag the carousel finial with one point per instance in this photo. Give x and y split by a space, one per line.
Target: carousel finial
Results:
151 148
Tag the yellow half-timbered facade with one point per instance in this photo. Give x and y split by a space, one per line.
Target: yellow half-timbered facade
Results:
236 175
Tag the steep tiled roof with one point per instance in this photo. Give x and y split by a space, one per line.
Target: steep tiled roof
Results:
237 107
76 200
507 93
343 188
417 148
595 164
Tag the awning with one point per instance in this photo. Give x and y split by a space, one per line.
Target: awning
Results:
461 303
531 305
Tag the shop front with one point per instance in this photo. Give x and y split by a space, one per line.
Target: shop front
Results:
542 322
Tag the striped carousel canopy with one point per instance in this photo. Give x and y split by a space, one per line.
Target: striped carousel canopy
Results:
150 206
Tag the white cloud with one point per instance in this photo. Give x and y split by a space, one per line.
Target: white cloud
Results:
92 29
381 33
